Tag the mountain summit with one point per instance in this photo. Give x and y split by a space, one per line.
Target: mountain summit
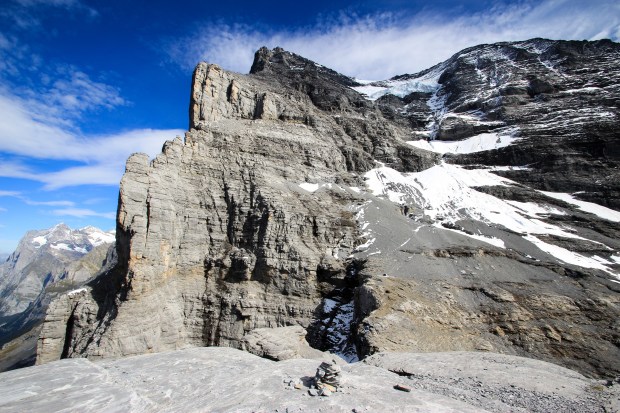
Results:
40 259
472 206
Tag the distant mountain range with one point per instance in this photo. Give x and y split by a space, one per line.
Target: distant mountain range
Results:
45 263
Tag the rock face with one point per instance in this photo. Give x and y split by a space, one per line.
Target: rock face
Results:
295 199
46 263
281 343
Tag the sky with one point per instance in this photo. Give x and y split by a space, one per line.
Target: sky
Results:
83 84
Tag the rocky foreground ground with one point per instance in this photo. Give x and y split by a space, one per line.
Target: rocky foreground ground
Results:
217 379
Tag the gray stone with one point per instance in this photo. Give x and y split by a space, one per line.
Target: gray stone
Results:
225 379
281 343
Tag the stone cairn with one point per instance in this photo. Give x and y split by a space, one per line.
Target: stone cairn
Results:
327 378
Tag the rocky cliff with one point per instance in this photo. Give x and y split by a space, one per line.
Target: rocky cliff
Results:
302 197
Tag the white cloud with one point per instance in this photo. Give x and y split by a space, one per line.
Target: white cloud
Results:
26 14
29 135
54 3
381 46
64 94
93 201
28 201
41 120
49 203
38 135
75 93
82 213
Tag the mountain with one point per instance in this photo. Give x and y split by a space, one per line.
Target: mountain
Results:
40 260
45 263
469 207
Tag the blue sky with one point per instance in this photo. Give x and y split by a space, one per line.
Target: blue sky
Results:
83 84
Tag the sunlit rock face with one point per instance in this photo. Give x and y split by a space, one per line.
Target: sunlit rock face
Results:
466 207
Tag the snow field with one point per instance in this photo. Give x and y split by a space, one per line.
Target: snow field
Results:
445 193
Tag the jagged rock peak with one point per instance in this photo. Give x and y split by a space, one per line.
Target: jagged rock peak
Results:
281 61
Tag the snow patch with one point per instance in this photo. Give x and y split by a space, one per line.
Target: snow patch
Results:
445 193
489 240
97 237
62 246
309 187
591 207
571 257
534 210
478 143
339 332
76 292
41 241
329 305
365 245
427 83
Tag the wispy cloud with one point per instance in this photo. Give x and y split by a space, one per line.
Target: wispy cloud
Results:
380 46
50 203
44 105
94 201
73 93
82 213
39 136
103 156
28 201
27 14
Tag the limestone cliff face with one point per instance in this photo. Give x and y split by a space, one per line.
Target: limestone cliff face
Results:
295 200
216 236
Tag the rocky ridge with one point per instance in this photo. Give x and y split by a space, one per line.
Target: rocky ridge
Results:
295 200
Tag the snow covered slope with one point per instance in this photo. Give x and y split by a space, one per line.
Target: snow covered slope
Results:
446 194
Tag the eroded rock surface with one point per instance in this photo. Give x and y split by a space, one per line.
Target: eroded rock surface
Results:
224 379
281 343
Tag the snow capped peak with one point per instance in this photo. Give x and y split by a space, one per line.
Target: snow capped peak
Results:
89 228
60 227
61 237
99 237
